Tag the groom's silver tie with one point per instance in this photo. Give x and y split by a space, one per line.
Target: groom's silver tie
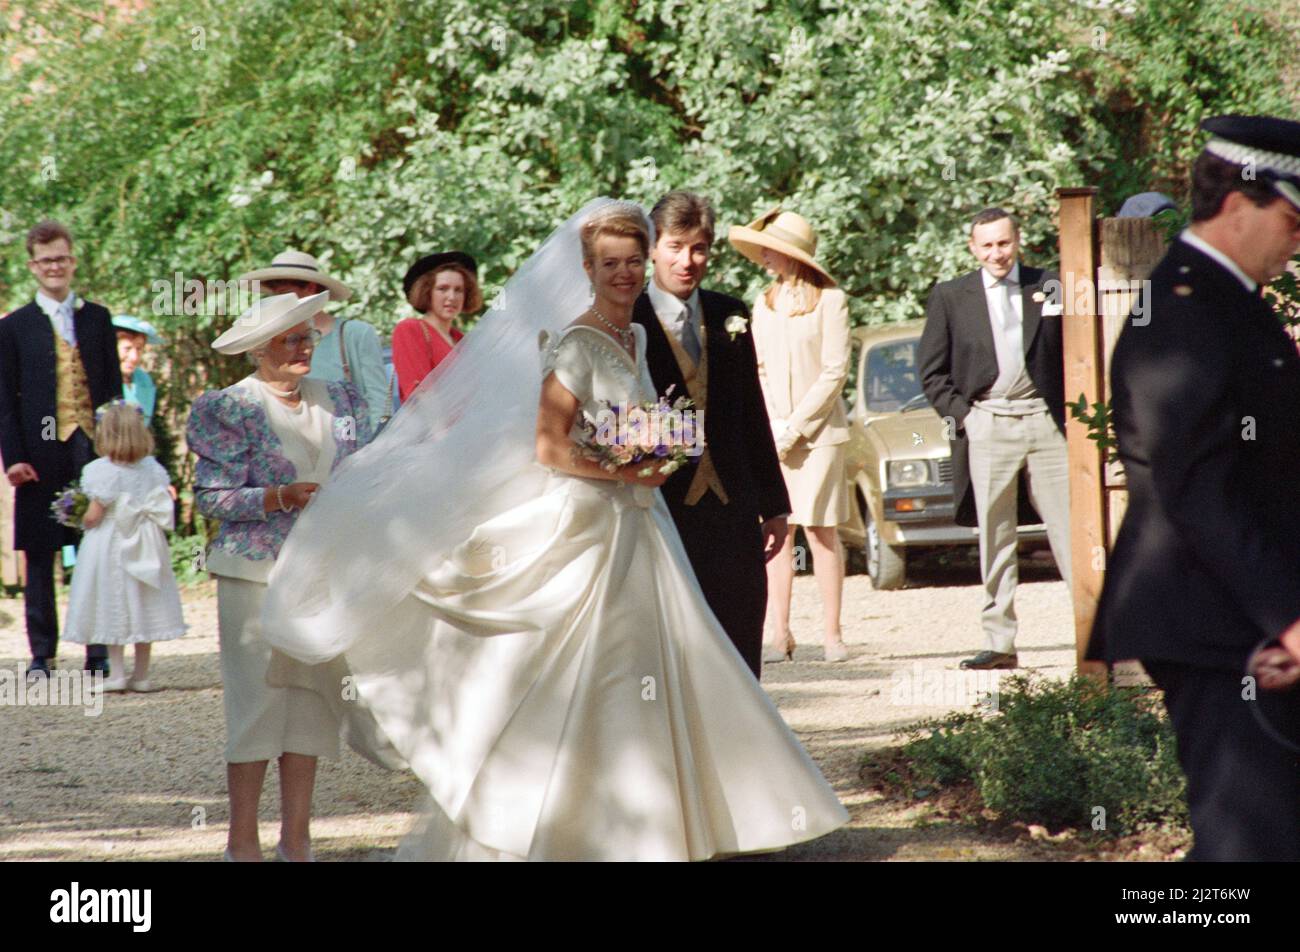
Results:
690 340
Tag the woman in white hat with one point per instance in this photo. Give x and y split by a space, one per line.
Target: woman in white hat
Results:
801 335
265 445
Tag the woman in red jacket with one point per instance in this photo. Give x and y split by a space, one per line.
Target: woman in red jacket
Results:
440 287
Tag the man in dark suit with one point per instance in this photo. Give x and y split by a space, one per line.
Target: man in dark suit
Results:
991 364
58 362
730 507
1206 404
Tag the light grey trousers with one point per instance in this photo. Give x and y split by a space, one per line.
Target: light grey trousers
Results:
1000 446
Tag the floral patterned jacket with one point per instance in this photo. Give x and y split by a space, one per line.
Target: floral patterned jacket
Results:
240 455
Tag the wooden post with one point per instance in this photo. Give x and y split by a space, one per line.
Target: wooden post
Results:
1081 333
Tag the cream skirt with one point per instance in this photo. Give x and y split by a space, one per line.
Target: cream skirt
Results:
814 477
263 722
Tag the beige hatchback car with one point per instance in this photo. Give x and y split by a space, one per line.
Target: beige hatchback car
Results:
899 464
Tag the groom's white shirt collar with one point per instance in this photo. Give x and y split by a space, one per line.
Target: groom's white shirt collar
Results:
671 310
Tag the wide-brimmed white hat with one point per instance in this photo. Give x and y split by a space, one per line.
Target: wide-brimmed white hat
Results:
267 317
786 232
299 266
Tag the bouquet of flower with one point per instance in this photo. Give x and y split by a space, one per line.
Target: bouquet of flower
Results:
69 507
662 434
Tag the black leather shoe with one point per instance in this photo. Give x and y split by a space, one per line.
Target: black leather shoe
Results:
39 668
98 664
988 660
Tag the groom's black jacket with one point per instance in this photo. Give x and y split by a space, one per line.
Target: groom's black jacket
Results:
724 542
736 427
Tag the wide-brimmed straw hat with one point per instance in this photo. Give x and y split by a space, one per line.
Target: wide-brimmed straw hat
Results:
435 261
267 317
299 266
786 232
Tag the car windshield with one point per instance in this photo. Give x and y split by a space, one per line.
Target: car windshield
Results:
892 379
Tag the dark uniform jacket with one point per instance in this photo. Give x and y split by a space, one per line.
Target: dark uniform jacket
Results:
1206 401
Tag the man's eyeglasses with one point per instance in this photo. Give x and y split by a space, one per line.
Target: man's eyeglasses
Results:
59 261
311 338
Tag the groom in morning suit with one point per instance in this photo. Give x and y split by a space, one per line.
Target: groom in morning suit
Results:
992 364
58 362
730 507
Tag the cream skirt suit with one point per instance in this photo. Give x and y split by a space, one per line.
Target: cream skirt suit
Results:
803 362
273 705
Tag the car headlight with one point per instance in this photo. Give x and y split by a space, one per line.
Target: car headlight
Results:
908 472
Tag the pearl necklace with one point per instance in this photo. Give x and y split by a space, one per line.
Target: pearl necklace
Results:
625 335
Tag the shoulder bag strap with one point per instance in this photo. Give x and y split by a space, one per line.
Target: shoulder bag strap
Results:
343 354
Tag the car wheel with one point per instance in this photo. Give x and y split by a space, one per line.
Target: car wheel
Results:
886 564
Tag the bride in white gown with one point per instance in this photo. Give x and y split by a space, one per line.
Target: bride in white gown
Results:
531 638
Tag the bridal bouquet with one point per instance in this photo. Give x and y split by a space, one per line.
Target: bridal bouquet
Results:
662 434
69 507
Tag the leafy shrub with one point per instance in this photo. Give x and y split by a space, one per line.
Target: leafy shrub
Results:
480 124
1057 750
187 558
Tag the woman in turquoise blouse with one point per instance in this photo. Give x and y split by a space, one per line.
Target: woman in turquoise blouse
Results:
133 335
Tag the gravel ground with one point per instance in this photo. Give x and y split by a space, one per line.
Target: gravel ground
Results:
144 780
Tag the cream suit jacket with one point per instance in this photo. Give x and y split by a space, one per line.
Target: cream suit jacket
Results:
803 362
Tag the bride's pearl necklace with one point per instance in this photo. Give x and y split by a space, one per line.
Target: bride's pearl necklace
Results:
625 334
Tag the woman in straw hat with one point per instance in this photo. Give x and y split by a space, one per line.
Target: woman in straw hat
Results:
801 335
348 349
265 445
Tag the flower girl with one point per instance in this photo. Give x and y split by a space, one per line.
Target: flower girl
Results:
123 590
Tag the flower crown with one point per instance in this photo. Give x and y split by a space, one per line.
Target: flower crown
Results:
118 402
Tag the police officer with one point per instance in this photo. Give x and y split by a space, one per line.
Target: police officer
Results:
1206 403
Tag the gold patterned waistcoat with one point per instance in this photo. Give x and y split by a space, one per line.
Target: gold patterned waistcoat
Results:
72 404
697 386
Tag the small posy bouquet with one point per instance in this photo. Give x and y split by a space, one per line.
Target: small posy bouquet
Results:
661 434
69 507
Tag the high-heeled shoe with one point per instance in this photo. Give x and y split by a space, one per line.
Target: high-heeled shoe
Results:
283 857
772 654
835 651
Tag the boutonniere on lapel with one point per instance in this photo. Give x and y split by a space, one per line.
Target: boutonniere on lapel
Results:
736 325
78 302
1051 308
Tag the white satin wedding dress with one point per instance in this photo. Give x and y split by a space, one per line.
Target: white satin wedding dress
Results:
557 680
